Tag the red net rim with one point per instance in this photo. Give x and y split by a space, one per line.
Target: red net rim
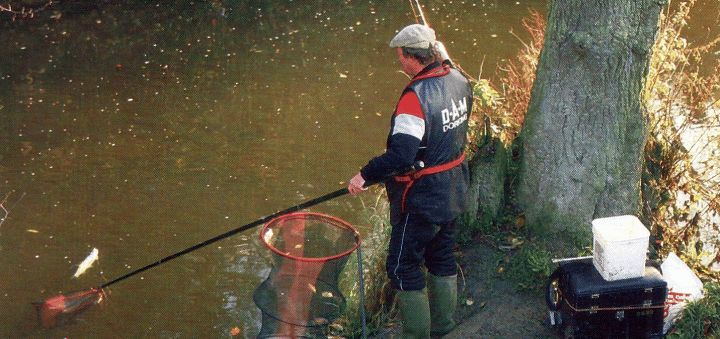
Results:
311 216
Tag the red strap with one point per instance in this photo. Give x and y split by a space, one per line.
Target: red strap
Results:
414 176
435 72
430 170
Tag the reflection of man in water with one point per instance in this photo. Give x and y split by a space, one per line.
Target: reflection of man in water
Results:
301 296
429 125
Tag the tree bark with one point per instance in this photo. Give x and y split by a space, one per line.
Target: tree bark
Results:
585 127
488 172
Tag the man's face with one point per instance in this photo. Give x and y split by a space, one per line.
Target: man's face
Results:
406 63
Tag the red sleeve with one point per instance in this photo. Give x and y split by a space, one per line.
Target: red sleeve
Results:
409 104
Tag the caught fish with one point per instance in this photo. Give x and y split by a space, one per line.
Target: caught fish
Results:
85 264
268 235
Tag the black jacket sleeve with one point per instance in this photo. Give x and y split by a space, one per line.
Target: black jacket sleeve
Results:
399 156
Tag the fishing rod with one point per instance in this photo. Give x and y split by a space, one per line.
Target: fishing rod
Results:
73 303
420 16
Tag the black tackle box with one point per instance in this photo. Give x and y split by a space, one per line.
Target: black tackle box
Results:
584 305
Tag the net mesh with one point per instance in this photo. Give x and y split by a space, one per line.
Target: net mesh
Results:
300 297
58 310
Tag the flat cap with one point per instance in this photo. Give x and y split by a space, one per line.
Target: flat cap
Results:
414 36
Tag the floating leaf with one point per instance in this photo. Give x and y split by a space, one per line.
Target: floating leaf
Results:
235 331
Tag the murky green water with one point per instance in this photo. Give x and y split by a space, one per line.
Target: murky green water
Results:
143 131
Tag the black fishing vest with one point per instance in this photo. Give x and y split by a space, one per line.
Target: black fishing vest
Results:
446 100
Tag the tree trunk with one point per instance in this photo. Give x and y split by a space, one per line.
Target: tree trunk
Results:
488 172
585 127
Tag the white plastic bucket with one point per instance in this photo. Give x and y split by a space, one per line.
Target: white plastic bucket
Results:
619 247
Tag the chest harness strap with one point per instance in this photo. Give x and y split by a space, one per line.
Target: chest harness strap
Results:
410 179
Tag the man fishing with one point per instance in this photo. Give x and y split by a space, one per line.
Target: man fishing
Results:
429 126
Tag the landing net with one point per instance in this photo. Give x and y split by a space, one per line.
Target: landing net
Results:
300 297
58 310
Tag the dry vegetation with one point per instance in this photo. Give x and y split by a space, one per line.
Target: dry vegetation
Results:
681 180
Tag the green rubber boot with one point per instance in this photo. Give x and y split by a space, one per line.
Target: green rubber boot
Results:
442 295
415 311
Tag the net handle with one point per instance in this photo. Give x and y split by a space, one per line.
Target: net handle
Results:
255 223
306 204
